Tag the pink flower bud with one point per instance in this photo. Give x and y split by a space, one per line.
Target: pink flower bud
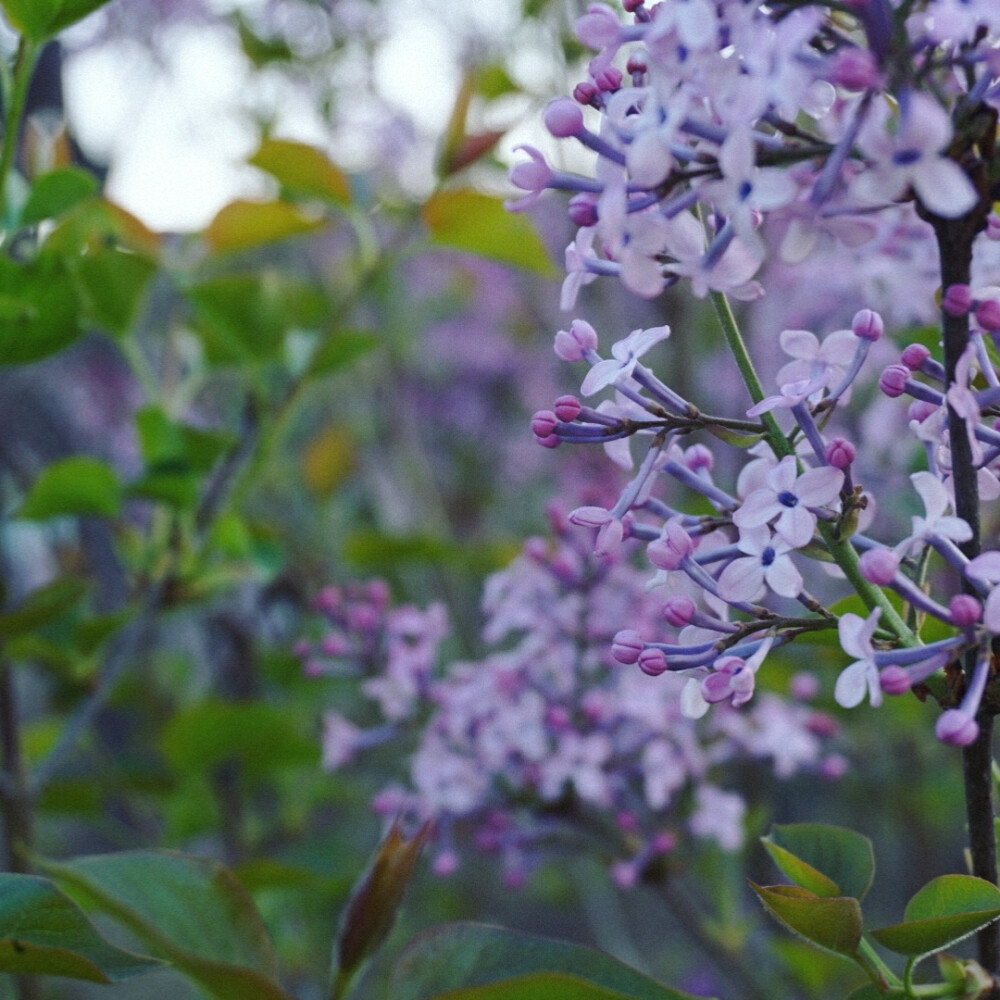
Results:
678 610
669 551
920 410
988 315
879 566
627 646
699 457
567 408
803 686
894 680
583 209
840 453
957 300
964 610
543 423
652 661
914 356
584 92
572 344
636 63
532 174
893 380
833 767
662 843
956 728
609 79
867 325
563 118
854 69
445 864
599 27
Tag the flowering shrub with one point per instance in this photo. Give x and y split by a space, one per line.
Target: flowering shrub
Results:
548 736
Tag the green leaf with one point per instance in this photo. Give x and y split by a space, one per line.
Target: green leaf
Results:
826 860
467 220
476 955
42 606
42 19
831 923
167 442
375 902
73 487
340 349
203 736
57 192
540 986
190 911
39 308
113 283
735 439
303 170
43 932
946 910
245 225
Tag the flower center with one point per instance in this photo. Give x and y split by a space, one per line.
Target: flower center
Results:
788 499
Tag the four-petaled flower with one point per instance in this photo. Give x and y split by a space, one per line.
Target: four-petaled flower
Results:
786 497
861 677
766 562
935 523
625 356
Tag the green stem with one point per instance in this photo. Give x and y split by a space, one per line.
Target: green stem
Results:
841 549
869 960
24 64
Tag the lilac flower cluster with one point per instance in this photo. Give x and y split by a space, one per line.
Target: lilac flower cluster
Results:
731 131
547 736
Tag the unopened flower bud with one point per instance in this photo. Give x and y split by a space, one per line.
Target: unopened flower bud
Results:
914 355
543 423
669 551
563 118
678 610
854 69
956 728
609 79
867 325
652 661
964 610
879 566
893 380
957 300
583 209
894 680
988 315
840 453
567 408
627 646
699 457
584 92
636 63
598 28
920 410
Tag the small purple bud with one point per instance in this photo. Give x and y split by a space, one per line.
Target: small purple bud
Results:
334 645
867 325
445 864
894 680
699 457
914 356
598 28
964 610
803 686
379 593
652 661
988 315
993 226
558 717
670 551
854 69
920 410
840 453
584 92
636 63
833 767
567 408
609 79
626 821
572 344
563 118
583 209
328 600
662 843
543 423
624 874
893 380
879 566
627 646
822 724
957 300
956 728
678 610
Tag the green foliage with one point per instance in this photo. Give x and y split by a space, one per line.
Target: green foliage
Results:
188 911
462 219
39 20
43 932
74 487
826 860
476 955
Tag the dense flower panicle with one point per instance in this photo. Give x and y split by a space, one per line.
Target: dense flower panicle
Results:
738 134
550 718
